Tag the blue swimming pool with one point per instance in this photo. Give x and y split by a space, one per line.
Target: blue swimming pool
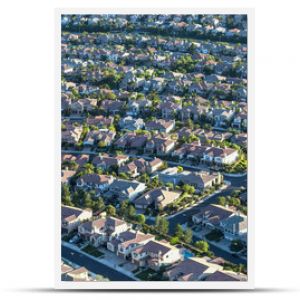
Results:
186 254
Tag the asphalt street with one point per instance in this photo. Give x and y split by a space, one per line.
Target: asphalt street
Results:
186 215
92 265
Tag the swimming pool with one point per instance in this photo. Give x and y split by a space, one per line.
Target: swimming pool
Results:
187 254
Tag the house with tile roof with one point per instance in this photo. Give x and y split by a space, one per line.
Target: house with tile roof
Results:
156 254
191 269
71 217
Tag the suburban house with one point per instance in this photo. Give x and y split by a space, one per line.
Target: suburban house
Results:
129 123
125 189
66 175
200 180
240 139
65 269
93 231
192 269
220 156
130 169
226 276
211 215
193 112
160 125
135 107
160 146
159 198
222 117
79 274
83 105
154 165
71 217
100 121
240 120
191 151
71 136
82 159
105 162
95 181
104 136
140 166
235 227
156 254
126 242
112 106
115 226
231 223
132 140
169 109
135 168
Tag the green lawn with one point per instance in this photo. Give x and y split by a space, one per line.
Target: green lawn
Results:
92 251
67 237
149 275
236 246
214 235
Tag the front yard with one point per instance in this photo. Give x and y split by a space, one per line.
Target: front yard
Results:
215 235
149 275
92 251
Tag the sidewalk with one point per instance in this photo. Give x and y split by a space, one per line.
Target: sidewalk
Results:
103 261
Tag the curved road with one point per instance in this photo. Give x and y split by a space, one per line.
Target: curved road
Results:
186 215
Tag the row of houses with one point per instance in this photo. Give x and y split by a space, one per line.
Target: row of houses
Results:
144 250
168 110
200 180
207 154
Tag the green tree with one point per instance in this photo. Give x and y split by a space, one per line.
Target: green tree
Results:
188 189
99 171
87 201
222 200
101 144
88 168
66 195
111 210
180 169
162 225
130 211
188 236
99 205
145 178
203 246
179 231
123 175
123 208
174 240
141 219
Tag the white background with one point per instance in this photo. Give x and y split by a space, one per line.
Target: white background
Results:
27 147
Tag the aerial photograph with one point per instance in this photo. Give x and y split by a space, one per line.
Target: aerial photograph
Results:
154 146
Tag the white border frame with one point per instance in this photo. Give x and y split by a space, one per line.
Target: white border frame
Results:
155 285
